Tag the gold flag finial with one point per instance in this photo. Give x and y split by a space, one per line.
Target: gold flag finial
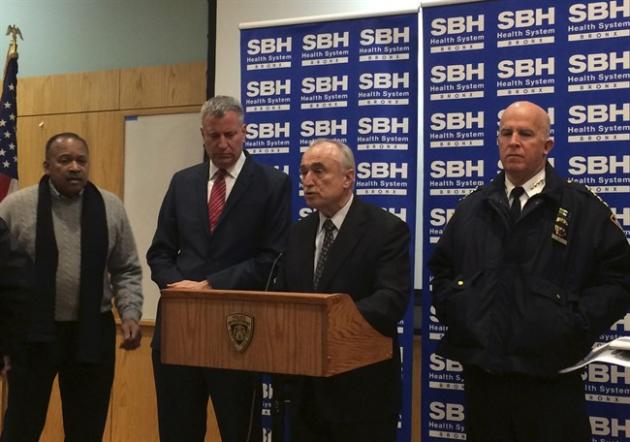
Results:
14 32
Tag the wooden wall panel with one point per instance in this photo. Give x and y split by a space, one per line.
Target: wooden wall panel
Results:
104 132
175 85
133 405
133 413
54 422
68 93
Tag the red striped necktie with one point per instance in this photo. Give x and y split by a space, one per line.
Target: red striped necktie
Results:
216 203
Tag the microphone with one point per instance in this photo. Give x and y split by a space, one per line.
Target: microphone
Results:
271 276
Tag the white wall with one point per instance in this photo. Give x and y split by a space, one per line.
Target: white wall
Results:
155 147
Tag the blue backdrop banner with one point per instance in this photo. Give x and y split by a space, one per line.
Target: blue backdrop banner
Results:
572 58
354 80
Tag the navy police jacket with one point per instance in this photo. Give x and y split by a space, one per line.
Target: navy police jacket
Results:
529 296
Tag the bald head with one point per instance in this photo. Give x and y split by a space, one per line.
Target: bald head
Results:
537 113
524 141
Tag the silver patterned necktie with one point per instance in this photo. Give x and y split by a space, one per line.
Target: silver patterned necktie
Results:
329 229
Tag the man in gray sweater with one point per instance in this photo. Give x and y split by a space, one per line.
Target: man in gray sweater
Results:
83 256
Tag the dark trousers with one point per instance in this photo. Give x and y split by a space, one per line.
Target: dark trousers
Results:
519 408
309 424
182 399
84 388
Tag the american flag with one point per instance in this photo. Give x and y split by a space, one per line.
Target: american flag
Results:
8 125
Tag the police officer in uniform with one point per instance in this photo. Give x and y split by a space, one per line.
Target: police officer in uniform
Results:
530 271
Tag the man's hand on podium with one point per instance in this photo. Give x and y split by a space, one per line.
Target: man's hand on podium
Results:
188 284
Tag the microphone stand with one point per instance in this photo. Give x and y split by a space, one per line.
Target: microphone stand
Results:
255 402
281 404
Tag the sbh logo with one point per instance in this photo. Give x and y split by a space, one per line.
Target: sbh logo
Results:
267 390
432 315
382 170
440 217
623 216
599 113
621 326
599 165
457 169
440 411
604 374
604 426
457 72
384 80
282 168
457 25
325 41
438 363
604 61
268 45
580 12
400 213
383 125
526 18
384 36
304 212
324 84
323 128
267 88
267 435
526 67
456 120
268 130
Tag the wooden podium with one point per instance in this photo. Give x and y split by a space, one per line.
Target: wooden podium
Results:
290 333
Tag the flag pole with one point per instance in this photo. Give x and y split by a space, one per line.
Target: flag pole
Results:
8 117
14 32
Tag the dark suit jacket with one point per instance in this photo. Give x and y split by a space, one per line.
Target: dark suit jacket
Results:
249 235
369 260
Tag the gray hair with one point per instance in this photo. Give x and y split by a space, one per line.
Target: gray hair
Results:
347 157
220 105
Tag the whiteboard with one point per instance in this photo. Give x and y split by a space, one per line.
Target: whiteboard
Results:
156 146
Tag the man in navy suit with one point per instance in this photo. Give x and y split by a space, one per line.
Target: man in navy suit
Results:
348 246
221 225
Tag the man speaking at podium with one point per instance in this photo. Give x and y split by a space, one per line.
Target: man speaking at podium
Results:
222 224
348 246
